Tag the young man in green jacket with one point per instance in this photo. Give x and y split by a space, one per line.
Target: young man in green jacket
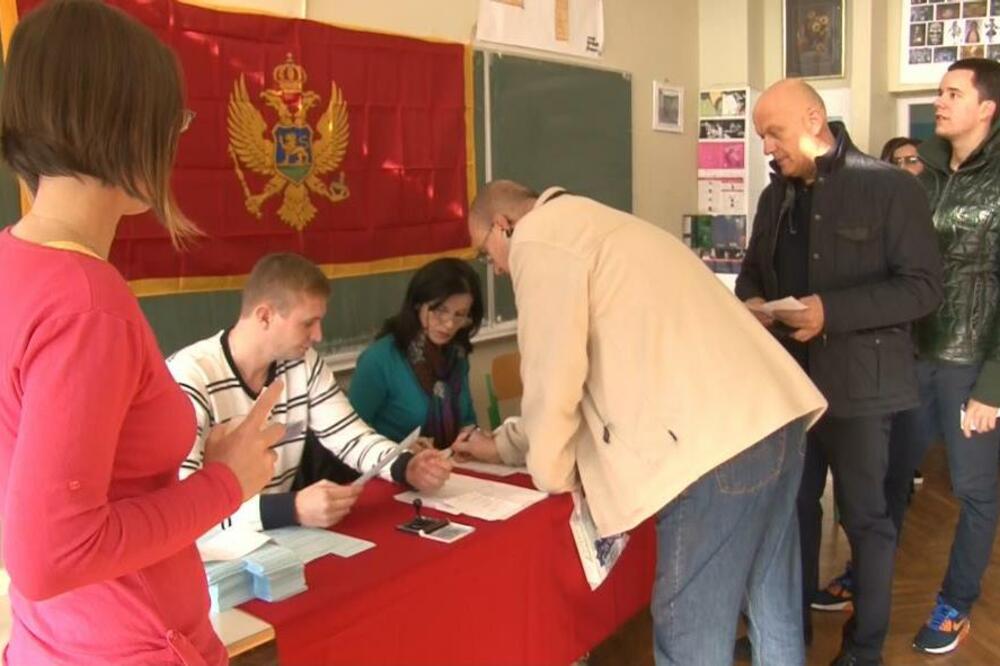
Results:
959 344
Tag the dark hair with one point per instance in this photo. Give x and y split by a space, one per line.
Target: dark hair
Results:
433 284
986 78
90 91
894 144
280 279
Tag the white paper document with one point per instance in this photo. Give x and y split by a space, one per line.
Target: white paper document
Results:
783 304
479 498
491 468
402 447
597 555
231 544
311 543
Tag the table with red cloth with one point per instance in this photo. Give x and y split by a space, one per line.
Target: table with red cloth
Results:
512 592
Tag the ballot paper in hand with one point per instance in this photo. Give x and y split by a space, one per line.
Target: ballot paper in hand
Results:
402 447
293 431
598 555
789 303
961 418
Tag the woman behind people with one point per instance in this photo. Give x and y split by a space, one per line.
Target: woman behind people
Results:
839 593
98 531
902 151
416 373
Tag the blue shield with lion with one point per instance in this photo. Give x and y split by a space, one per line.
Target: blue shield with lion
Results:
293 151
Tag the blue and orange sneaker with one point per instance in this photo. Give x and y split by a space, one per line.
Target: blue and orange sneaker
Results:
838 595
944 630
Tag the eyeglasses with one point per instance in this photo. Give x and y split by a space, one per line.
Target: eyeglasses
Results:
187 117
481 253
442 315
909 159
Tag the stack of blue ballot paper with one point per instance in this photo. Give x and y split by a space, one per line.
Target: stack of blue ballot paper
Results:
229 584
277 572
276 569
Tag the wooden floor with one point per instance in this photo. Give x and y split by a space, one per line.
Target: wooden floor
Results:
920 565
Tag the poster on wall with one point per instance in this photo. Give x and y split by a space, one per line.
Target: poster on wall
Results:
719 159
723 103
935 34
722 196
719 240
722 129
573 27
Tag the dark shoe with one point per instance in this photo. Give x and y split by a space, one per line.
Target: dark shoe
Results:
851 659
838 595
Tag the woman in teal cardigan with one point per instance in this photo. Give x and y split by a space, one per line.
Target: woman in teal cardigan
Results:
416 373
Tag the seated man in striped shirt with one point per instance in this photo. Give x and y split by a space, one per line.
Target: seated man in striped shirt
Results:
283 304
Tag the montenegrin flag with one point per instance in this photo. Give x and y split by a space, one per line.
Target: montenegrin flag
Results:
351 148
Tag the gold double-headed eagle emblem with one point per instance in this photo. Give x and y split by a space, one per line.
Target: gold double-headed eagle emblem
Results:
288 153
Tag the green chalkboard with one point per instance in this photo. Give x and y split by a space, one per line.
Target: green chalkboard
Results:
559 124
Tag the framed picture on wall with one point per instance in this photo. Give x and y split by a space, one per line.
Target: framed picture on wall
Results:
814 38
915 117
668 108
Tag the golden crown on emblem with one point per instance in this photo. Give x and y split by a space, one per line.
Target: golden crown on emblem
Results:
290 77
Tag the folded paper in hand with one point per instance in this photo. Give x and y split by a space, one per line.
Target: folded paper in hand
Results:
781 305
597 555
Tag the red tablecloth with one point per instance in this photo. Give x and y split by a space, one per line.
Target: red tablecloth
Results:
512 592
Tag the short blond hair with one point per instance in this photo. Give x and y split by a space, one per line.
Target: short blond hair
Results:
280 279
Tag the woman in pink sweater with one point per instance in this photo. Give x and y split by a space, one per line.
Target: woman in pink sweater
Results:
98 531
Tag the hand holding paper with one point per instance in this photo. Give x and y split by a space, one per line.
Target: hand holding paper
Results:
402 447
978 417
805 315
788 304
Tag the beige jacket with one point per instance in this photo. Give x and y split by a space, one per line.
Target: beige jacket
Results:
641 371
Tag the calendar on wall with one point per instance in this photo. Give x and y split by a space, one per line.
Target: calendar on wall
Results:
936 33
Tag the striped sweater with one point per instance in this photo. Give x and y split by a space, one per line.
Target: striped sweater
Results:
311 399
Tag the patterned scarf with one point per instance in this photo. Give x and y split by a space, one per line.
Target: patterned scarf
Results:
438 371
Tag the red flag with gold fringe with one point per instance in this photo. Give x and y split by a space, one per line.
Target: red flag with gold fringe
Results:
351 148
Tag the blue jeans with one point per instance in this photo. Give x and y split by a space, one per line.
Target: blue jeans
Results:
972 464
731 538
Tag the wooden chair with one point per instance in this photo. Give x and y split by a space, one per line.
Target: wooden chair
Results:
503 383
